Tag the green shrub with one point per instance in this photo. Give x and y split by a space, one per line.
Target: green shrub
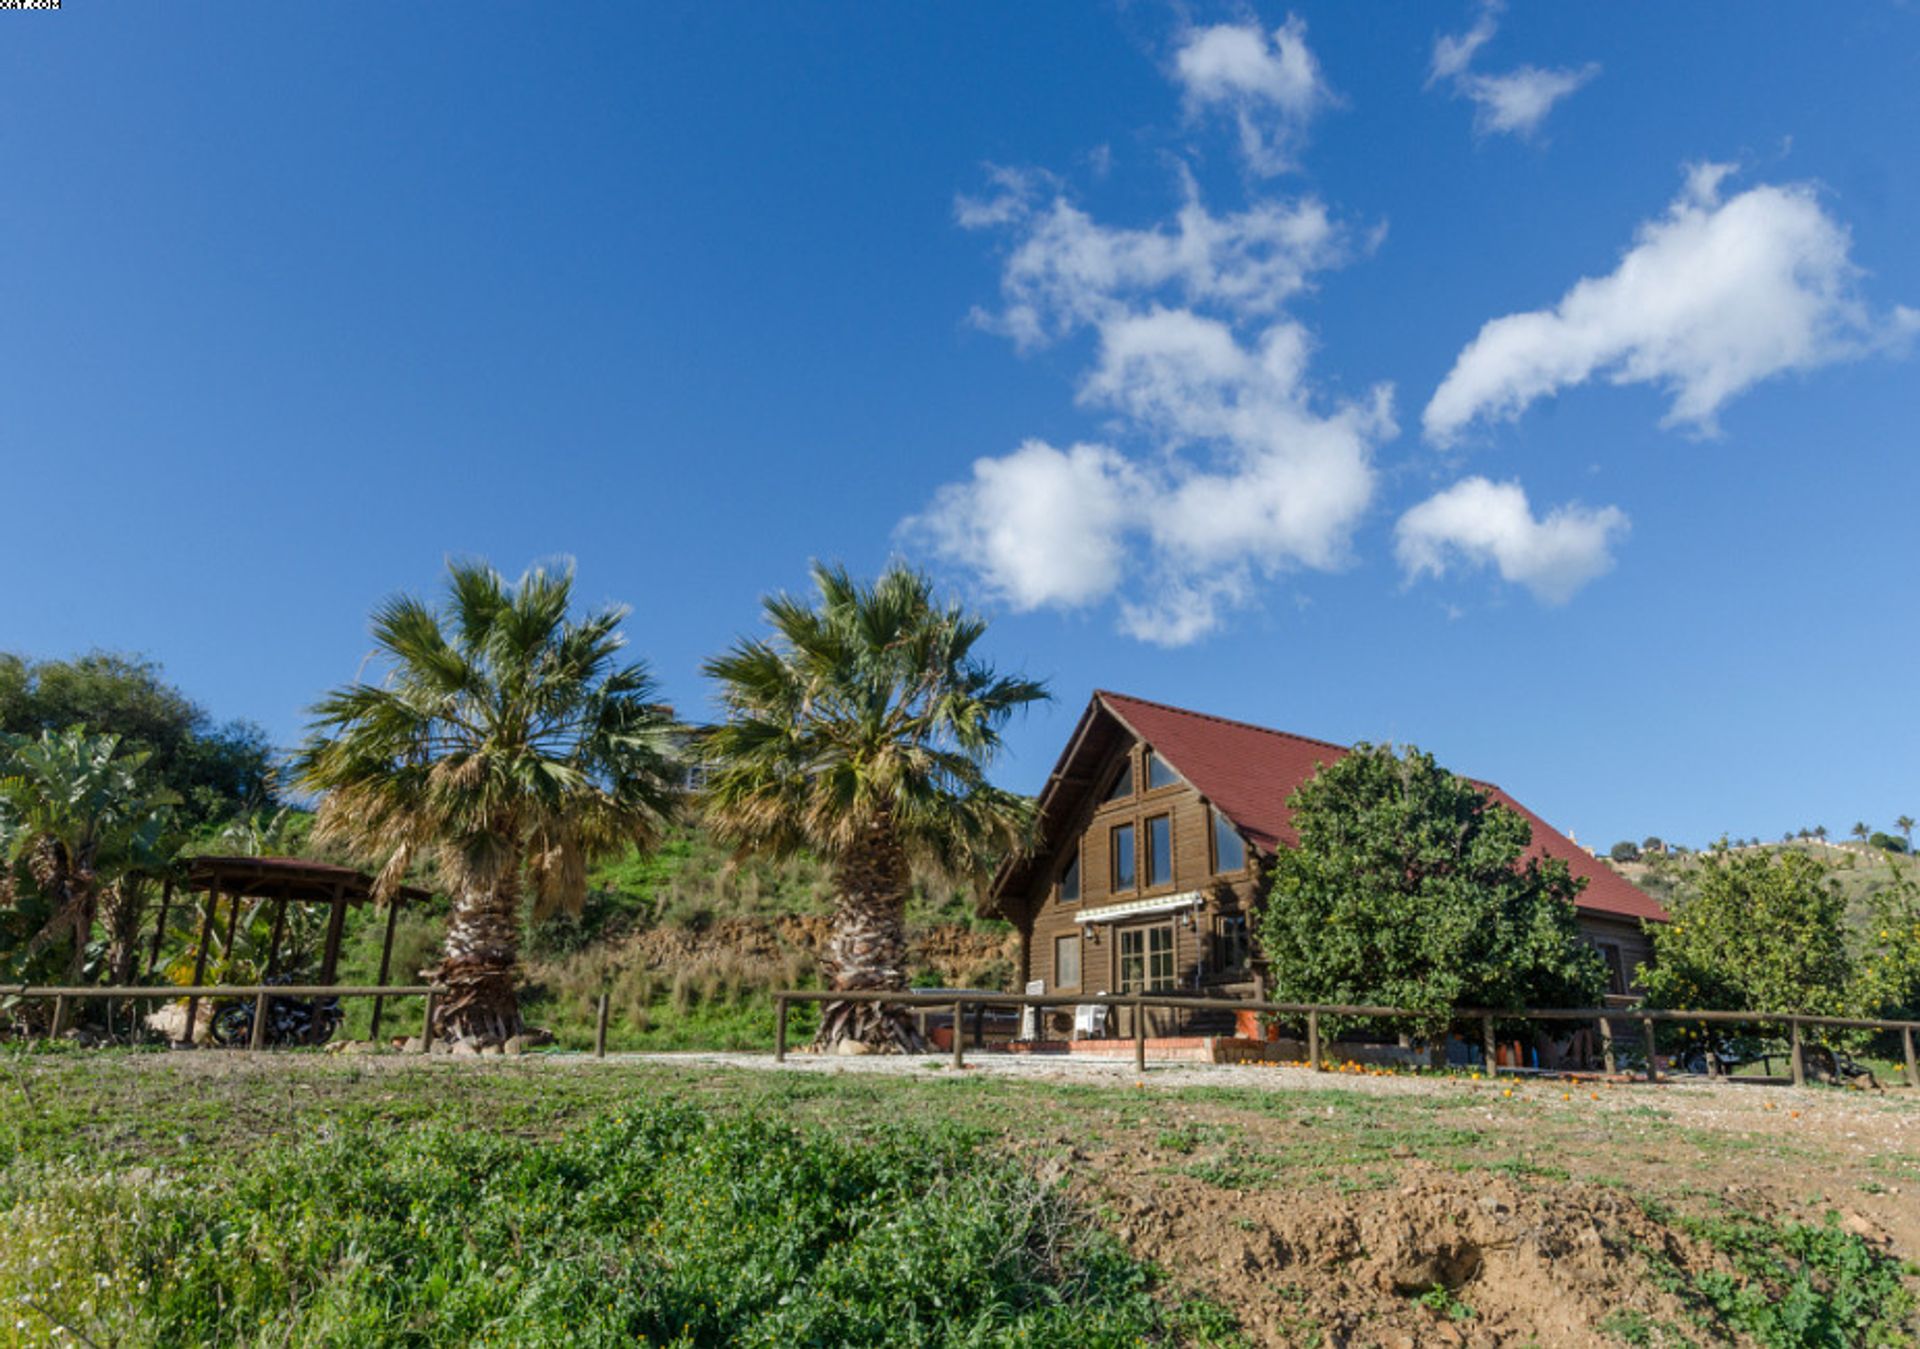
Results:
666 1225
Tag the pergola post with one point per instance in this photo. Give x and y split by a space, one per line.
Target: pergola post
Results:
160 926
273 943
336 922
233 927
386 961
200 956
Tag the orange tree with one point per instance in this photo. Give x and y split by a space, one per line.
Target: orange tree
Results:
1410 887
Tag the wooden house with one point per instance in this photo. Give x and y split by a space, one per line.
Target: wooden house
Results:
1153 828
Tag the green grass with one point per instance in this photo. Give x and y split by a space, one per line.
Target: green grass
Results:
1789 1285
660 1224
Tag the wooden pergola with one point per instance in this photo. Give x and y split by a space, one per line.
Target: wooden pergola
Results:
280 881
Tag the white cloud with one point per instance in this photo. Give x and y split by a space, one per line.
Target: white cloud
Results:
1452 55
1233 470
1480 523
1519 101
1712 298
1067 270
1042 526
1515 103
1270 83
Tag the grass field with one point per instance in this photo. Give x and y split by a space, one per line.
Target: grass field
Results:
180 1199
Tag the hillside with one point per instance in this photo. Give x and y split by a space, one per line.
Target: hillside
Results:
1860 871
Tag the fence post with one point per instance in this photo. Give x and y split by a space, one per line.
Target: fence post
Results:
600 1027
1313 1040
1490 1046
1606 1045
959 1040
1653 1048
1139 1036
59 1022
426 1028
1913 1063
779 1030
1799 1056
258 1038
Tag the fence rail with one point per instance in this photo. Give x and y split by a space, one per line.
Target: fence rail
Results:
260 993
1488 1018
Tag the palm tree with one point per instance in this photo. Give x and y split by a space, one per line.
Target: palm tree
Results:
861 732
1861 831
508 744
1905 825
85 820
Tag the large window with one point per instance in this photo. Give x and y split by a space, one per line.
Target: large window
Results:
1160 850
1124 875
1066 961
1159 772
1229 849
1146 958
1234 948
1122 784
1070 879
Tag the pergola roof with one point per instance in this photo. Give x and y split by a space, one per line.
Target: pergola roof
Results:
287 878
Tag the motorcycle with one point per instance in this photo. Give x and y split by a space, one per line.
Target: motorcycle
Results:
290 1021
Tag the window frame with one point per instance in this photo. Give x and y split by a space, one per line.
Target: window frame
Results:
1223 943
1148 880
1132 882
1216 821
1126 776
1079 959
1147 956
1071 868
1153 758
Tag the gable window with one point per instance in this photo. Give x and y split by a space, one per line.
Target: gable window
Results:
1122 853
1066 961
1122 785
1070 879
1159 772
1160 850
1146 958
1233 947
1229 849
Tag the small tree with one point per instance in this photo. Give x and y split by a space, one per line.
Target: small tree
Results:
1624 851
1408 888
1759 932
1861 830
1653 844
1889 965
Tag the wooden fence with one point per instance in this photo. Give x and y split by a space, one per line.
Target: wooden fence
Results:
260 993
1607 1018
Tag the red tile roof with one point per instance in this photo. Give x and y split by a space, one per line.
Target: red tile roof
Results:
1249 772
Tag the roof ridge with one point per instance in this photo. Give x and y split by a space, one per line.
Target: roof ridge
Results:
1224 721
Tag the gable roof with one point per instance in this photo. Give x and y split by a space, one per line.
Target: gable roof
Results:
1249 771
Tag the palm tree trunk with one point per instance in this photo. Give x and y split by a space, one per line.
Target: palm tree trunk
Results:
868 947
124 906
481 956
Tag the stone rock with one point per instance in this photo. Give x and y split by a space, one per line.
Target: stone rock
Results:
412 1045
515 1045
853 1047
464 1049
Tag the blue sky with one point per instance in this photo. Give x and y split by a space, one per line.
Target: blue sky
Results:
297 301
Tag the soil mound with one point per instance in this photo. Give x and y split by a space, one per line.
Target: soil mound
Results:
1436 1258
